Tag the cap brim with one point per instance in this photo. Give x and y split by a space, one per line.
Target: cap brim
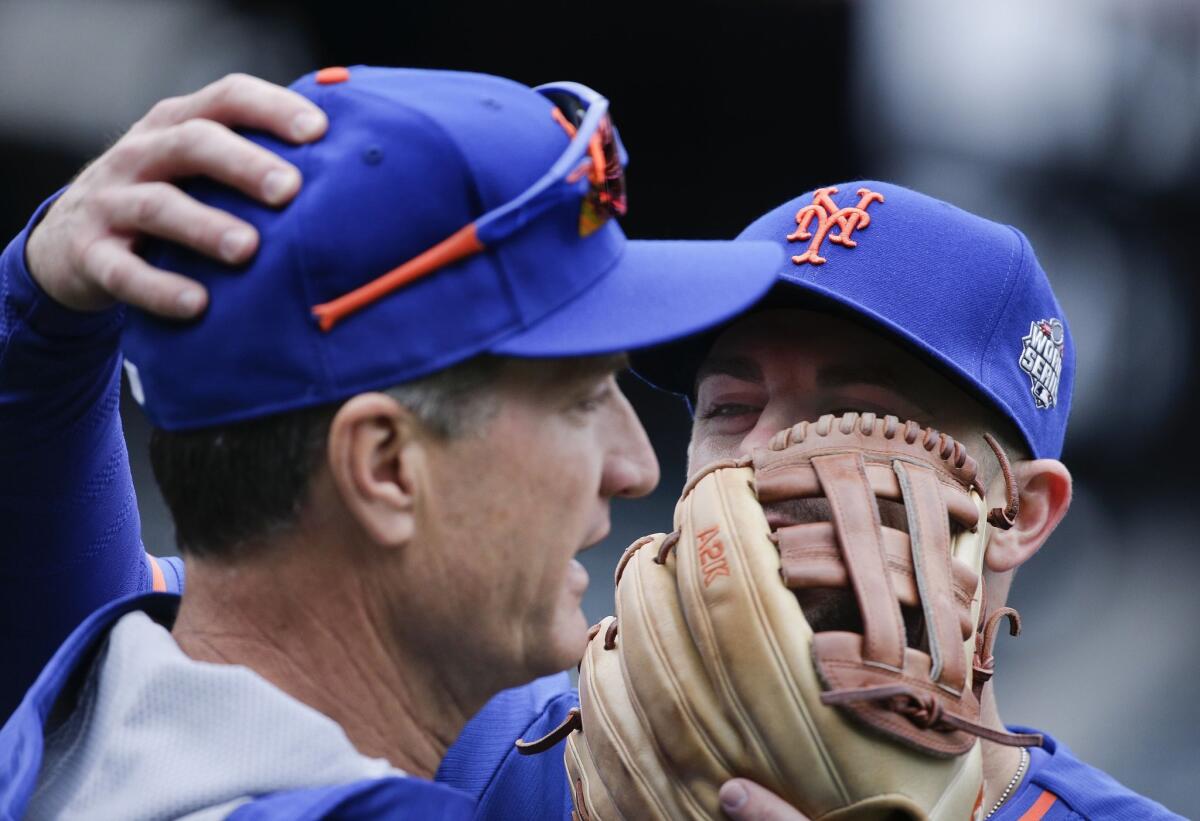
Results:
658 291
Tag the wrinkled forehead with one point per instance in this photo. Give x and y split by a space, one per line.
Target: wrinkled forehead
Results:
798 341
792 353
814 362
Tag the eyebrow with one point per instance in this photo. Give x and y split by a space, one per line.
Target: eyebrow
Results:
608 363
587 367
739 367
839 376
833 376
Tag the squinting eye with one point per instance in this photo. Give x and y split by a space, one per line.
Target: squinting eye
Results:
729 409
596 400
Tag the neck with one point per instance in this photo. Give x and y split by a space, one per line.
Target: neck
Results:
1000 762
312 632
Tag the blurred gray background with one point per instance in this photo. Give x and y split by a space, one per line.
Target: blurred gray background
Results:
1077 120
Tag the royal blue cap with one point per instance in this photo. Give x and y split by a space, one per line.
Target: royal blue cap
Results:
410 158
963 291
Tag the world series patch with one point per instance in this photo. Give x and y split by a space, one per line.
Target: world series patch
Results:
1042 359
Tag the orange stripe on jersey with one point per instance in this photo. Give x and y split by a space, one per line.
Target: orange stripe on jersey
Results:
159 582
1040 807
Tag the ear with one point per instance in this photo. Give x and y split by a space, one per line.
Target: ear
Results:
373 452
1044 488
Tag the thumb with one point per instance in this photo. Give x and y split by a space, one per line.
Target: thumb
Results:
744 800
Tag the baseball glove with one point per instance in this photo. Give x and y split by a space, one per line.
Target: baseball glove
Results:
812 624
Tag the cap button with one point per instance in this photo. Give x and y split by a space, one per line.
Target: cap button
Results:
333 74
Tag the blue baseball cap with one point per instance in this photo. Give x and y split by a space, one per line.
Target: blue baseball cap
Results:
410 159
966 293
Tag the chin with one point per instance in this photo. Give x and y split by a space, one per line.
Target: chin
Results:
566 642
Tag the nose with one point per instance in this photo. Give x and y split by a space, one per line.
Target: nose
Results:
630 466
775 417
758 438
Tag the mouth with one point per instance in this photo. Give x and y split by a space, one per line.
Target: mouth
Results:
577 578
778 519
794 512
836 609
816 509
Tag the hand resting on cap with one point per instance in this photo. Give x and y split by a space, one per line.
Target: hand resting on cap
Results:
82 253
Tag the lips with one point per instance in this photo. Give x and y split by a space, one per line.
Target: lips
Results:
577 577
776 520
801 511
791 512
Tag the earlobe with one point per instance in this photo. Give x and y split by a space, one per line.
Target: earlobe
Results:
1044 486
370 440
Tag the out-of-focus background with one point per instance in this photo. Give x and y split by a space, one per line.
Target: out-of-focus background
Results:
1077 120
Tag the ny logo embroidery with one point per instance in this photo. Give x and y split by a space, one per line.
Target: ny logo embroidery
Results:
847 220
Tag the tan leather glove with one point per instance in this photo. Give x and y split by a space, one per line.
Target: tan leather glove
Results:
810 624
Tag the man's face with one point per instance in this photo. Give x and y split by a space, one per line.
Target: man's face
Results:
773 369
510 506
776 368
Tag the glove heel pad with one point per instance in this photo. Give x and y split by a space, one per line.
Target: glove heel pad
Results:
669 689
612 735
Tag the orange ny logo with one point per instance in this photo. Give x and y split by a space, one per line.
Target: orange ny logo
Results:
847 220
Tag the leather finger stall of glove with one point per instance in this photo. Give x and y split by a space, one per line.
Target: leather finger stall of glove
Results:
812 624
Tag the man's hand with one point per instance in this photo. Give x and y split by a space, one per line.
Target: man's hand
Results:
82 253
744 800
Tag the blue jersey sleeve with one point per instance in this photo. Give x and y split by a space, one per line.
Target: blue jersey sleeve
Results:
1060 787
70 540
484 763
